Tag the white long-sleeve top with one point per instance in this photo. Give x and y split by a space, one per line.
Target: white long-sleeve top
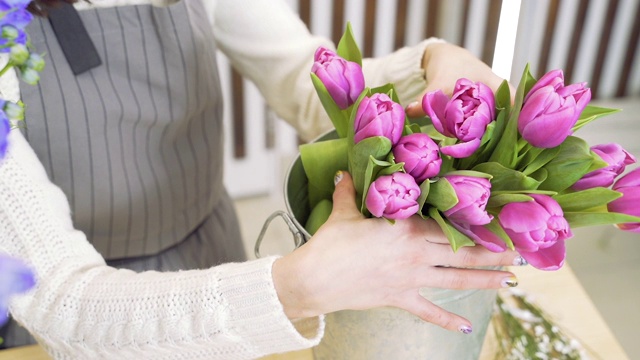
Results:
83 309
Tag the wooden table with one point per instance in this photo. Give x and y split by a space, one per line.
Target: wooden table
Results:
557 293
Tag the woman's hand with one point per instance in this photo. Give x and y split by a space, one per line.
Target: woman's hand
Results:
357 263
444 64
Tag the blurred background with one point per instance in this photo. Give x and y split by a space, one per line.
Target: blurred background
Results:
596 41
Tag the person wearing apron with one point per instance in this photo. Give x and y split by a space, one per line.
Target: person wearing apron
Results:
135 145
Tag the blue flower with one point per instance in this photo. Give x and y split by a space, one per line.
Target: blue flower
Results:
16 278
5 127
6 5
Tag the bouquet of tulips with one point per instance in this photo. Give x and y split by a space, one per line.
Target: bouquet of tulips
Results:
489 171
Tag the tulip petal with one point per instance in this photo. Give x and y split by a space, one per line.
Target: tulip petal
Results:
482 236
434 105
551 258
461 150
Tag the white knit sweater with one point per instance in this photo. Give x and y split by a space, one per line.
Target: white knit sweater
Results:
83 309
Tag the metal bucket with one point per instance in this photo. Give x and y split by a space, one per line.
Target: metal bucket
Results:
386 333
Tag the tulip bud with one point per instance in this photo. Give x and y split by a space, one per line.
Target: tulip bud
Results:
16 278
473 194
420 156
617 158
465 116
538 230
629 186
551 109
343 79
393 196
378 115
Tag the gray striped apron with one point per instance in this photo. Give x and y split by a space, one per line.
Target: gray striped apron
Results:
136 143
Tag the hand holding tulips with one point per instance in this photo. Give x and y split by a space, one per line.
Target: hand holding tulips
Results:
358 263
491 166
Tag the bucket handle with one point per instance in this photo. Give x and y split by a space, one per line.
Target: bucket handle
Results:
298 237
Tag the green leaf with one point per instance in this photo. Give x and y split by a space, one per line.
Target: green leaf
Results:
580 219
442 195
495 227
591 113
535 158
425 188
570 164
339 117
455 237
503 96
505 179
321 160
506 150
471 173
499 200
318 216
348 47
586 199
377 147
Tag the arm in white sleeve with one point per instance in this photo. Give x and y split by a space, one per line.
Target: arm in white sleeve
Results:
81 308
269 44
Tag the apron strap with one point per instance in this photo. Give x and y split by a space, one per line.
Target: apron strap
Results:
78 49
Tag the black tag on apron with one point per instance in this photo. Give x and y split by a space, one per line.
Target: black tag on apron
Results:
73 38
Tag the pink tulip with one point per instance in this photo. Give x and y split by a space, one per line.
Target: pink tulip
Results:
538 230
473 194
629 203
420 156
343 79
551 109
617 158
393 196
16 277
378 115
465 116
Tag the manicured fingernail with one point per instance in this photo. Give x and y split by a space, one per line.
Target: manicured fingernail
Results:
510 281
337 177
465 329
520 261
412 106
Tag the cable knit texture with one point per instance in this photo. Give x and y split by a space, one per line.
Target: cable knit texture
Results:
83 309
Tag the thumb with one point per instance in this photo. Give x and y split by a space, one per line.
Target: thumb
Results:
344 196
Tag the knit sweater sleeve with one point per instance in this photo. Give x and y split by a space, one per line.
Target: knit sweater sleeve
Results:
81 308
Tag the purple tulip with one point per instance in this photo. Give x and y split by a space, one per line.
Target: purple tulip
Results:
465 116
393 196
343 79
617 158
538 230
629 203
473 194
550 110
378 115
420 156
15 278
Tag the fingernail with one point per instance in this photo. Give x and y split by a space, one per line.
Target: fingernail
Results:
520 261
465 329
337 177
510 281
412 106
